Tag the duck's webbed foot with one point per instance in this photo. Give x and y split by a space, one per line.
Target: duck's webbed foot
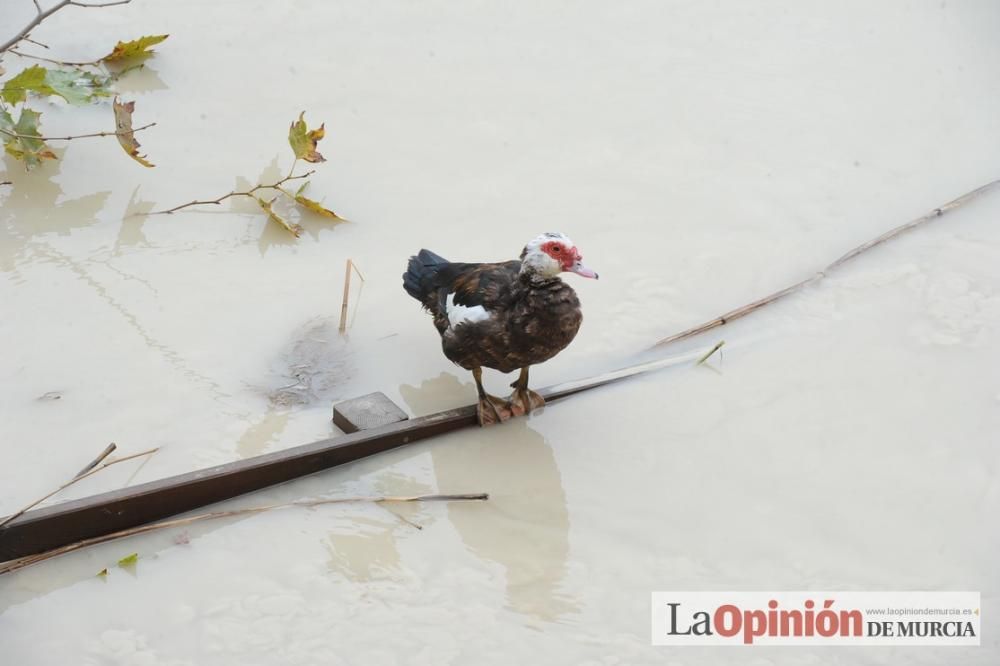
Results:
492 409
523 400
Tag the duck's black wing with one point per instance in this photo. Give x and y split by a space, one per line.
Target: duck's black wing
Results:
440 285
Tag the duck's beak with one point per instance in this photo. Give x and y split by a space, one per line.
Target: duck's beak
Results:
580 269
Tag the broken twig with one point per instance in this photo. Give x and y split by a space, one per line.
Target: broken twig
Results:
708 354
99 459
351 267
79 477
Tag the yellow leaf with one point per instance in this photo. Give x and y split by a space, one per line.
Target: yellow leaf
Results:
22 139
129 560
123 128
136 48
294 229
303 140
315 206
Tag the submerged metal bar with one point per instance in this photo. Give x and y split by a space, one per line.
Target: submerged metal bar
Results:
51 527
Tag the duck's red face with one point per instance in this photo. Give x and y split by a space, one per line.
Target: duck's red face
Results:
568 257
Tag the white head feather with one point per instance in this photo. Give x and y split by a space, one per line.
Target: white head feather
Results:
534 259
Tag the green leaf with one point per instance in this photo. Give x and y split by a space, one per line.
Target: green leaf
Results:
123 129
75 86
314 206
15 90
303 140
19 138
134 49
129 560
294 229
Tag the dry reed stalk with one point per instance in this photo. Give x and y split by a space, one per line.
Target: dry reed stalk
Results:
90 470
350 268
20 563
743 311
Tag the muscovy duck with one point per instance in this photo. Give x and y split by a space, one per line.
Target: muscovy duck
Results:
507 316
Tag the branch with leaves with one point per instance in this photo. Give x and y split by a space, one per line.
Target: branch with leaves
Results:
303 142
78 83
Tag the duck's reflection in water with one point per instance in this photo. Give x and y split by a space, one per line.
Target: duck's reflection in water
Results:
525 525
365 549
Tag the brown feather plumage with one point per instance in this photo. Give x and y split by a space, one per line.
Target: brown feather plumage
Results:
532 318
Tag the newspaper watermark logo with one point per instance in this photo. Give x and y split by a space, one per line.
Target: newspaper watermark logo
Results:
816 618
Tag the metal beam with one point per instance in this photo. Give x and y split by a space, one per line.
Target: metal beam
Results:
51 527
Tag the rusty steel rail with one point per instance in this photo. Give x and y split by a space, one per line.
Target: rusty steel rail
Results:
69 522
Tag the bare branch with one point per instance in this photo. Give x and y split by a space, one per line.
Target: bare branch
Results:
36 43
724 319
76 136
248 193
65 63
99 459
100 4
41 15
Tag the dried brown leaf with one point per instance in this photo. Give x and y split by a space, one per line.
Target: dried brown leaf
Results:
123 127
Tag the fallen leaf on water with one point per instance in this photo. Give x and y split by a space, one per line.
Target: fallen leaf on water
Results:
24 146
303 140
126 137
128 560
295 229
134 49
15 90
103 573
314 206
74 86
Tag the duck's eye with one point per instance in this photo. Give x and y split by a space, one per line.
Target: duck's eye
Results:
557 249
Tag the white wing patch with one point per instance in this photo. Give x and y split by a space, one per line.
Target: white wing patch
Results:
464 314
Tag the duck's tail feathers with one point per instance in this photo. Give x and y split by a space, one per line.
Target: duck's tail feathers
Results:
419 280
